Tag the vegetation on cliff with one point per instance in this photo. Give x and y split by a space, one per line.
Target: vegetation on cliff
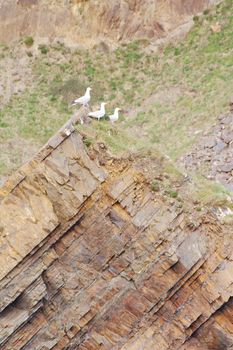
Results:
169 97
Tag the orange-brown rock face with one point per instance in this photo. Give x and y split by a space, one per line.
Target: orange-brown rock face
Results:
89 22
91 259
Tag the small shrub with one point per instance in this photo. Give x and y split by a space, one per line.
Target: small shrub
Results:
4 47
172 193
155 186
177 52
87 141
196 19
3 124
43 49
206 12
52 98
28 41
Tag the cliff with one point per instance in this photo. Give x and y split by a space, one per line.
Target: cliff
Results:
91 258
89 22
214 152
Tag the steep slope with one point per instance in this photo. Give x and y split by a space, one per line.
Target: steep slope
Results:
115 252
89 22
169 98
213 155
91 258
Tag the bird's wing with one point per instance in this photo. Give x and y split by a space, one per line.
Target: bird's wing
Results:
95 114
80 99
77 101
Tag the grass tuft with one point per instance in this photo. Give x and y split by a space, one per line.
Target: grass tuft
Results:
168 98
28 41
44 49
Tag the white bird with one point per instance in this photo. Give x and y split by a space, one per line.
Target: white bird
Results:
98 114
84 99
115 116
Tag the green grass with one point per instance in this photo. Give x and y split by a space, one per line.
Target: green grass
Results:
3 168
172 193
166 97
210 192
44 49
28 41
88 141
155 186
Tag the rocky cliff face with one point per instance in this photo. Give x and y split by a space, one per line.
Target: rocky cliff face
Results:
91 258
89 22
214 152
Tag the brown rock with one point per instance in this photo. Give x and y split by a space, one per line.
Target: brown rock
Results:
85 22
91 259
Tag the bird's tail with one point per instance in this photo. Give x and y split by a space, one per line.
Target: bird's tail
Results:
73 103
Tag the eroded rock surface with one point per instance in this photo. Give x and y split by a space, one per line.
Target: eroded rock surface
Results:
213 154
90 258
90 22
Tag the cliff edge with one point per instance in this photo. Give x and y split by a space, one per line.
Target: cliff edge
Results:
92 258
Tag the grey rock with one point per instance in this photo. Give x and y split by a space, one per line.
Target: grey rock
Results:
227 136
229 186
210 142
227 167
228 119
219 146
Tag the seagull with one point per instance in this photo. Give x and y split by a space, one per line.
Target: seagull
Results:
115 116
100 113
84 99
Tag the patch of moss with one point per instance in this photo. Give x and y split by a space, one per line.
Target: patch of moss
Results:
28 41
44 49
87 141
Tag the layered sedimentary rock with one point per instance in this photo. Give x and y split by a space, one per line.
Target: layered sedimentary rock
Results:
89 22
91 258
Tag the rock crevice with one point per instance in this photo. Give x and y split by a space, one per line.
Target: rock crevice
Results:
91 258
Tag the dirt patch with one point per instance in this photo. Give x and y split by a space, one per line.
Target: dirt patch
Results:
15 72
